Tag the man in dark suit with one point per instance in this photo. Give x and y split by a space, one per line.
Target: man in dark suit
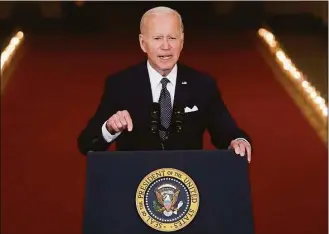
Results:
123 115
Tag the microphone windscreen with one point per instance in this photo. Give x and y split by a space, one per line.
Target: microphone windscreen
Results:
156 106
155 111
179 113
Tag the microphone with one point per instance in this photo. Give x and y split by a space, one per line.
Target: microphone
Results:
155 118
178 118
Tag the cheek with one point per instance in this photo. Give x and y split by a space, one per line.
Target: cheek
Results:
153 50
176 51
176 47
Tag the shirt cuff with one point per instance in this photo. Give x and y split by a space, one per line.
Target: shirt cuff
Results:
108 137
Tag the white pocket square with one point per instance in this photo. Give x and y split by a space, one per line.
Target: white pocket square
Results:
187 109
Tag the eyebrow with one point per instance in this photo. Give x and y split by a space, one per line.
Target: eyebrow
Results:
157 35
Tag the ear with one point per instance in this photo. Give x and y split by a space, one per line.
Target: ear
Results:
142 43
182 38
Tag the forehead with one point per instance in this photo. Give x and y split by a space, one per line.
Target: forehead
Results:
163 24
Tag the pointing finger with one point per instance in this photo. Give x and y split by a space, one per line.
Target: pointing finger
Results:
249 153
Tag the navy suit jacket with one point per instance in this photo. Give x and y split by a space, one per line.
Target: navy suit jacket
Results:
130 90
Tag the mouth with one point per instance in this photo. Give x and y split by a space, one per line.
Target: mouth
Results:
165 57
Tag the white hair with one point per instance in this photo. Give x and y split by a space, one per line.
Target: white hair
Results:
160 10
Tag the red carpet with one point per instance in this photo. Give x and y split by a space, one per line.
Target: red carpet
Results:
56 88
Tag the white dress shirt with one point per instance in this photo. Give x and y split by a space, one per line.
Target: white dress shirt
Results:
156 87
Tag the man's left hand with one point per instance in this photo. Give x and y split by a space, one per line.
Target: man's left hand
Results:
242 148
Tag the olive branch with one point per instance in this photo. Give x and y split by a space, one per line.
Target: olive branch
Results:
156 206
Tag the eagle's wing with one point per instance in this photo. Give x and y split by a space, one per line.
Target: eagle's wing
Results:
175 197
159 198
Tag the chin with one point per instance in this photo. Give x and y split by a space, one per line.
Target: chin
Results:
165 70
167 65
164 67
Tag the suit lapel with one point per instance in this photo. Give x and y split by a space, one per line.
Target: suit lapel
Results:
144 86
181 90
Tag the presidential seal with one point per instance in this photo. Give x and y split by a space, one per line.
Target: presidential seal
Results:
167 200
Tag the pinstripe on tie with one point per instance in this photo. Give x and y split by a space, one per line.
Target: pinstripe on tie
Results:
165 107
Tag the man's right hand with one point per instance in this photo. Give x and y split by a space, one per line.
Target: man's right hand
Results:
119 122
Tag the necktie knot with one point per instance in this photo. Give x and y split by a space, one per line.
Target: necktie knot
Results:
164 81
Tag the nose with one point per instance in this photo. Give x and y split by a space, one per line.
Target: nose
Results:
165 44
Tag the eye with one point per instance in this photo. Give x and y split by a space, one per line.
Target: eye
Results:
157 38
172 38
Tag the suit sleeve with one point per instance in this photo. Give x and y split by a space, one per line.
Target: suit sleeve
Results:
91 138
221 125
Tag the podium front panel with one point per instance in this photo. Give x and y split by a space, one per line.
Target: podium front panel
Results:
221 178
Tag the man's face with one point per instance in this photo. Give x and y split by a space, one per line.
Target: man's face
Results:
162 40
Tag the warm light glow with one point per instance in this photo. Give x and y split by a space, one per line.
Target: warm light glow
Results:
9 51
297 76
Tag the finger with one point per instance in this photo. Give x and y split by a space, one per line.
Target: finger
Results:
235 146
242 147
248 153
122 120
113 126
128 120
117 122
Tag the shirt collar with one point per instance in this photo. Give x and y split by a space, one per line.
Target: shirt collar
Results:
155 77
